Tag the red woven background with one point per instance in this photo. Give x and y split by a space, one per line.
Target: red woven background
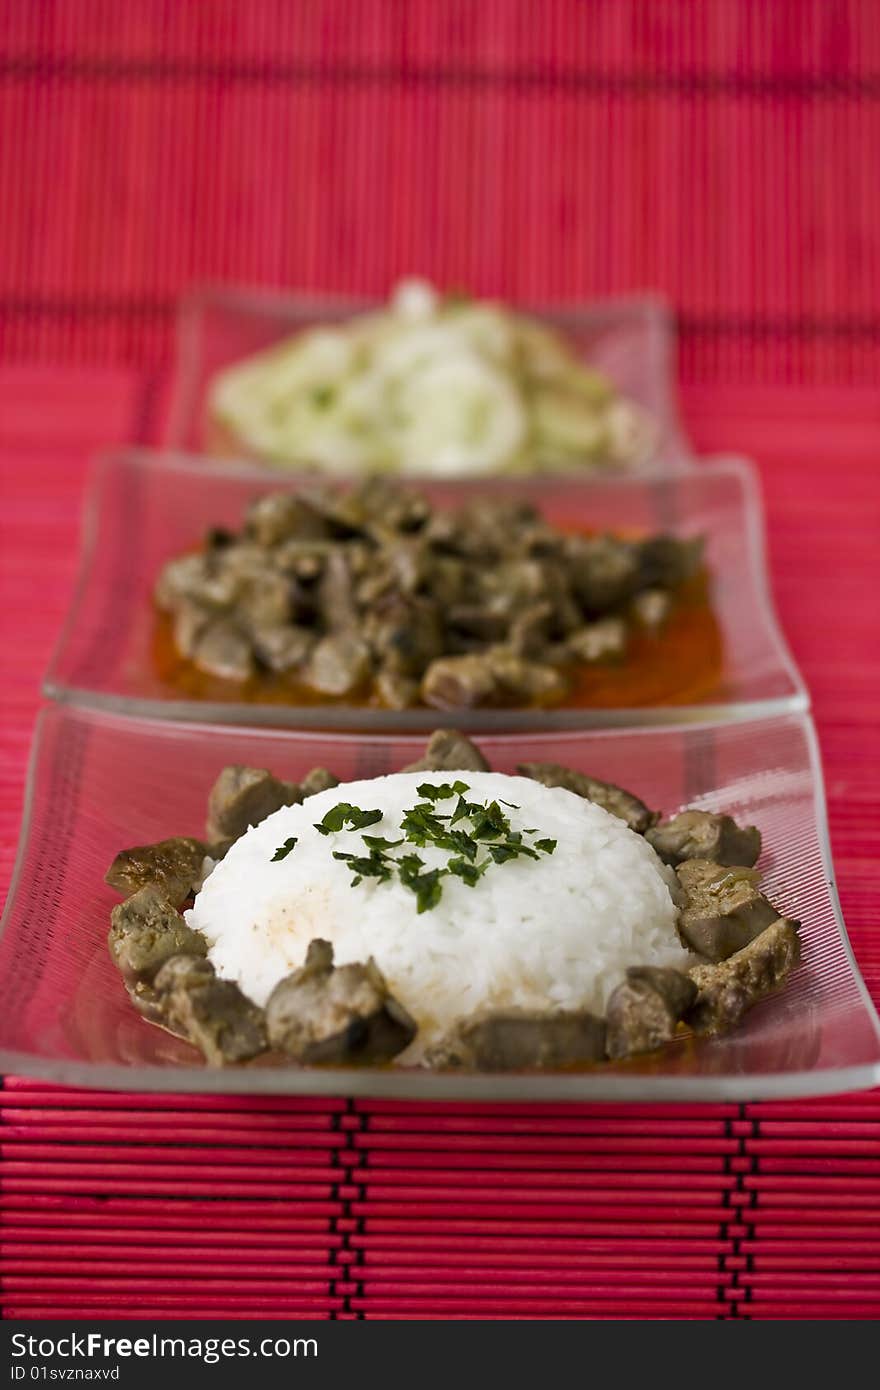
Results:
725 152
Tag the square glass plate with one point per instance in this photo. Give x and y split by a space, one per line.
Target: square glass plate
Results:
631 340
99 783
142 508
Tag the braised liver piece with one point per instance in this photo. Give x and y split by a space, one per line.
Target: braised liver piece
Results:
449 751
323 1013
728 990
213 1014
146 930
644 1011
724 909
619 802
702 835
508 1040
244 796
174 866
374 593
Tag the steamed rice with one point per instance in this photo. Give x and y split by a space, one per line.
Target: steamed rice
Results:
556 932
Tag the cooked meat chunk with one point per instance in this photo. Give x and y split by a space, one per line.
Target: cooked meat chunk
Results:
146 1001
265 600
532 682
329 1014
449 751
728 990
515 1038
174 866
723 910
197 579
667 561
151 1000
283 647
338 665
222 649
651 608
318 780
375 503
146 930
605 570
213 1014
396 691
374 593
405 635
460 682
244 796
530 629
644 1011
614 799
336 591
492 677
280 515
702 835
603 640
190 621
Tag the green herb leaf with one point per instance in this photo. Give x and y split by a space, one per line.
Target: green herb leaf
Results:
345 814
420 825
441 791
283 850
371 866
469 873
489 821
410 864
378 843
510 849
547 846
426 886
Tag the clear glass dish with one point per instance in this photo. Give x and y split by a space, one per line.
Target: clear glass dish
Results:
142 508
631 340
99 782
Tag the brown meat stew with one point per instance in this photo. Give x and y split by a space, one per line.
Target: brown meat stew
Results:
743 947
373 597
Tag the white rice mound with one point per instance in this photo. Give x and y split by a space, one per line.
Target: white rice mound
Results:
558 932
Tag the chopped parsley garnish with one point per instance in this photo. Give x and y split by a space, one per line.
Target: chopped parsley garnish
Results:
373 865
468 872
425 884
442 792
283 850
489 835
344 814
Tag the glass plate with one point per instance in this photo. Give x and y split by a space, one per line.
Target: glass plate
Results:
631 340
142 508
98 783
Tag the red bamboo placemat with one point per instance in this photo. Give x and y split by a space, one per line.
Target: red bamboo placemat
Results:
722 152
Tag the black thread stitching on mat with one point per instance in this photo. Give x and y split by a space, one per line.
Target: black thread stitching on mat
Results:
729 1276
846 326
28 67
345 1272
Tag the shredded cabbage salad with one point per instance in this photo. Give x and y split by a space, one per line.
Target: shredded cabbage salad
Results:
431 385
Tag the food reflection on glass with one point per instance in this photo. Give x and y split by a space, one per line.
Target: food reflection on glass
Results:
437 385
374 597
446 916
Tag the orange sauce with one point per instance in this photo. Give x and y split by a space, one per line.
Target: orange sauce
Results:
682 663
